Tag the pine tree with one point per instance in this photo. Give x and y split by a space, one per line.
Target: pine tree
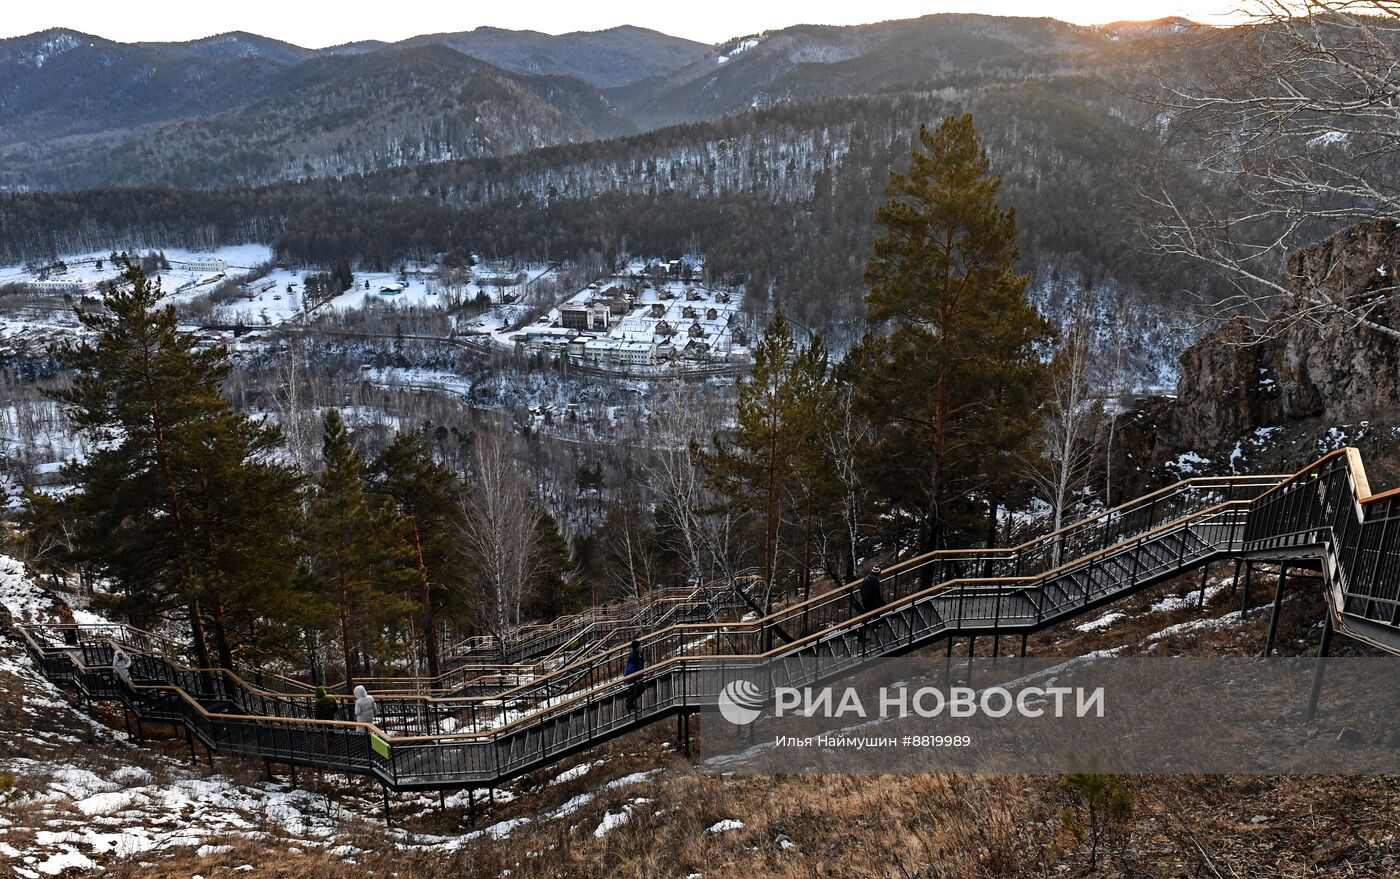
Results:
750 471
953 378
556 589
811 491
180 501
773 469
355 558
423 495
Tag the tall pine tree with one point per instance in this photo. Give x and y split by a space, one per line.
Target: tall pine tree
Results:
423 494
357 563
952 376
181 504
771 470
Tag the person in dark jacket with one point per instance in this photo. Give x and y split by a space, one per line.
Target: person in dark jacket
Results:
325 705
870 597
635 664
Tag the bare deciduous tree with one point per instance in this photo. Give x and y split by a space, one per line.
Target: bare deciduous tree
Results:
1064 453
296 412
690 516
500 544
1295 123
846 438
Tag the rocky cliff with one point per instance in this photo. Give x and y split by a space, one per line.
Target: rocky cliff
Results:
1274 396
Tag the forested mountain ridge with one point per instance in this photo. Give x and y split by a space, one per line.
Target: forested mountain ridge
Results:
328 116
781 197
79 111
603 59
808 61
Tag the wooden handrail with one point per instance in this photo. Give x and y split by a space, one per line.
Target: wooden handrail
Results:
760 623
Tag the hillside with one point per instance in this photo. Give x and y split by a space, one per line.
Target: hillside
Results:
603 59
328 117
88 797
782 196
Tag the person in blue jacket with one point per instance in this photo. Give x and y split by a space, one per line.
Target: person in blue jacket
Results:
635 664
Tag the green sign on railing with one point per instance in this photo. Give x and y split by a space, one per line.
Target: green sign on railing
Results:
380 746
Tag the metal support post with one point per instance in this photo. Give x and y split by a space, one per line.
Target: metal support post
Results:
1273 617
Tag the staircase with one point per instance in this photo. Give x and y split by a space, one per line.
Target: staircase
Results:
428 742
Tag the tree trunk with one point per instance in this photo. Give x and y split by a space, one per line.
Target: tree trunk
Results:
201 644
345 645
426 603
221 635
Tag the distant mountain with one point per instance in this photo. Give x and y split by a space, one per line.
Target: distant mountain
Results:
327 117
605 59
235 45
80 111
807 62
62 82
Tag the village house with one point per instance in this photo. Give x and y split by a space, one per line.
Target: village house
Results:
658 309
617 306
711 314
591 318
697 331
545 339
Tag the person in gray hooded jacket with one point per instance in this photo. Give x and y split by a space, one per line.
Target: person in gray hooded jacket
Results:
364 706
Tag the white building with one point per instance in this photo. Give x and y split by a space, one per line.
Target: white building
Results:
62 286
216 266
620 352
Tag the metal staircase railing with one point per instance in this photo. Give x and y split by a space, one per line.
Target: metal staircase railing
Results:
427 742
1327 511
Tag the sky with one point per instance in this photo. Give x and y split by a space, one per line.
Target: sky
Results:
318 23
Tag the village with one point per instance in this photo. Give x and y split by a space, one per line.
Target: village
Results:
648 317
652 314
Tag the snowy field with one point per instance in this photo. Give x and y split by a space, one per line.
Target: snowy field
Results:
278 297
269 298
187 268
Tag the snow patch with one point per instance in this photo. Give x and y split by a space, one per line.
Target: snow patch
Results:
612 821
1102 622
739 48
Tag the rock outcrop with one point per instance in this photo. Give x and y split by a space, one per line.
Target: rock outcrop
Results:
1274 396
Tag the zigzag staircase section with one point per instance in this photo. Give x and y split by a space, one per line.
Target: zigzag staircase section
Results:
425 742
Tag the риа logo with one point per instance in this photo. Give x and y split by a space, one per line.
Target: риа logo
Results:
740 702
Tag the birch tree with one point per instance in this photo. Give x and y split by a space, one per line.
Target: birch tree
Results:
1063 454
499 541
